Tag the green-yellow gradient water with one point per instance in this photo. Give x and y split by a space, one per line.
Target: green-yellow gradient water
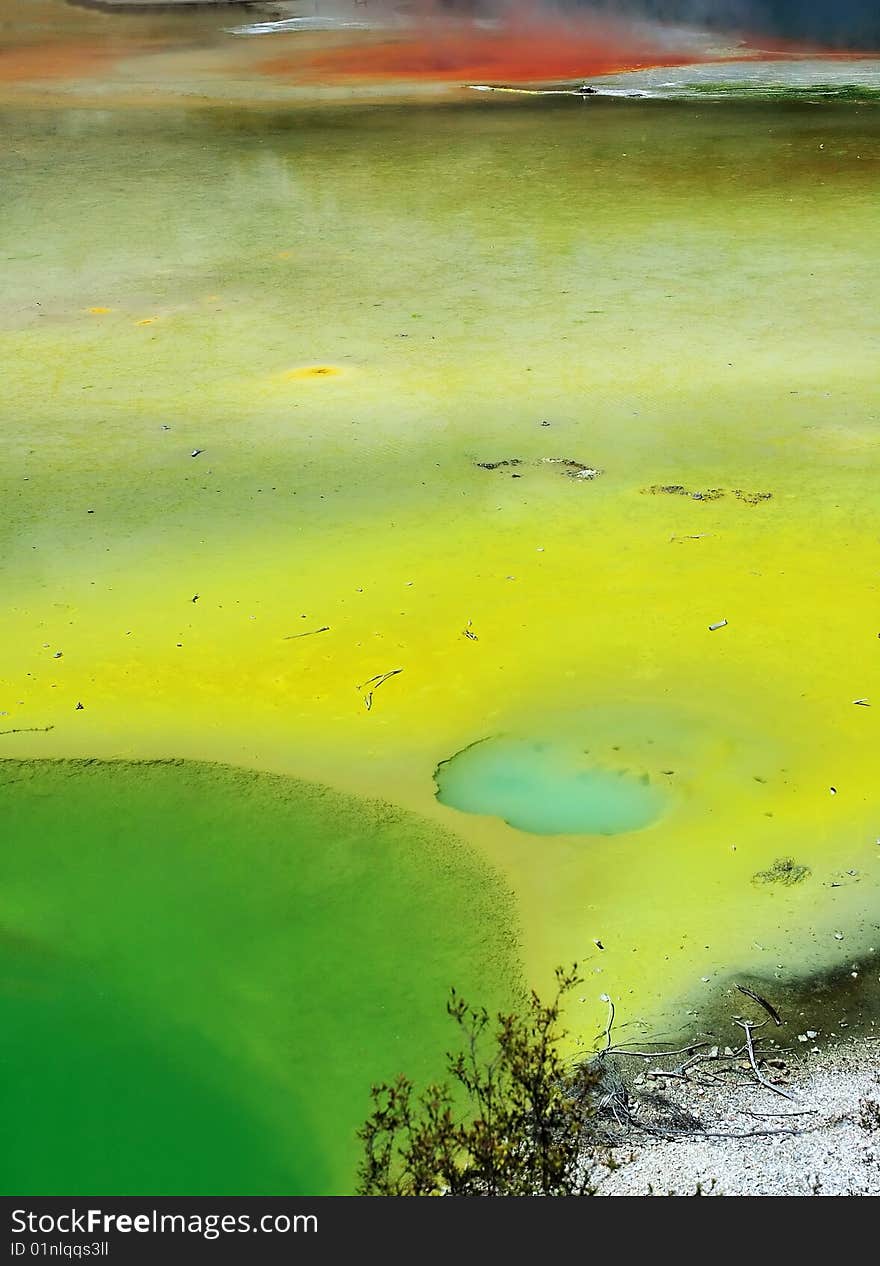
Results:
342 314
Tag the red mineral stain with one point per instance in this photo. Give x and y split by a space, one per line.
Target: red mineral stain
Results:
525 50
530 47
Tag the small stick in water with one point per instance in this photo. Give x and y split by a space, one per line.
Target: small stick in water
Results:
768 1007
376 682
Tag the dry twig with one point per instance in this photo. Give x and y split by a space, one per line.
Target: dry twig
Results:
747 1026
375 683
768 1007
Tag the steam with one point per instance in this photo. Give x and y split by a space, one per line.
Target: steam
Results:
843 24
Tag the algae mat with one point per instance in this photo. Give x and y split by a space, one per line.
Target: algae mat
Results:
352 389
202 971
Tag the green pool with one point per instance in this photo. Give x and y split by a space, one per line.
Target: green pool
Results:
203 971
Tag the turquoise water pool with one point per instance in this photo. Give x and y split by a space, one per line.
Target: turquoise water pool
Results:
547 788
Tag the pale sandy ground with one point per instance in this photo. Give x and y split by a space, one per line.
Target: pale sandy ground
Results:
832 1150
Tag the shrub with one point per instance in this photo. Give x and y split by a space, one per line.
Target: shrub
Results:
508 1124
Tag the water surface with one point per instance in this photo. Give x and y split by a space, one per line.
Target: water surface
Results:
677 294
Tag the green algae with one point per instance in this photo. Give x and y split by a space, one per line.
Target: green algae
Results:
203 970
785 870
860 93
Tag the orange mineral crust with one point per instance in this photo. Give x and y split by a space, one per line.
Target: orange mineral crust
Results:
33 62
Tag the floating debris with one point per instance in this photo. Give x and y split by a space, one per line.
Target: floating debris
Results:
571 467
844 877
194 598
752 498
707 494
196 452
291 637
468 632
374 683
719 624
311 371
785 870
79 708
585 91
574 469
861 703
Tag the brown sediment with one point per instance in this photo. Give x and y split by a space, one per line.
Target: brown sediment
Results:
60 61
